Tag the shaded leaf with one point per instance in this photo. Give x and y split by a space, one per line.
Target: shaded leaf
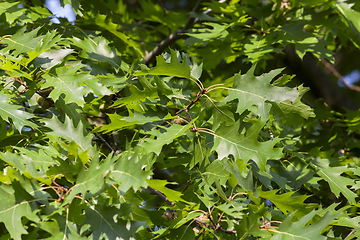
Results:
285 202
287 110
98 49
105 222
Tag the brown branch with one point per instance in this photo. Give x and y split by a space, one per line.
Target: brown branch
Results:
105 142
187 185
198 96
338 75
161 195
150 57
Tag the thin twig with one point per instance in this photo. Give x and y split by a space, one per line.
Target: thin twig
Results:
105 142
338 75
187 185
198 96
150 57
161 195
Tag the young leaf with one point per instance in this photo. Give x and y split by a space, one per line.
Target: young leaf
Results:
173 196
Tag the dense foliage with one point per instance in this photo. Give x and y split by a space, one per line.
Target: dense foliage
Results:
179 120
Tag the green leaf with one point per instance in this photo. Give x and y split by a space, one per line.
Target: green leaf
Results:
30 43
246 183
105 222
285 202
166 135
128 171
16 203
69 80
228 141
97 49
90 182
18 117
29 162
119 122
203 35
173 196
332 175
149 91
351 17
174 68
300 230
11 10
216 172
252 90
287 110
67 131
55 56
249 225
103 21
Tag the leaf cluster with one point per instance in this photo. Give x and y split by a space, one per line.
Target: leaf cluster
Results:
101 140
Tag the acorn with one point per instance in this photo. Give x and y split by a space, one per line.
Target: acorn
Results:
45 102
